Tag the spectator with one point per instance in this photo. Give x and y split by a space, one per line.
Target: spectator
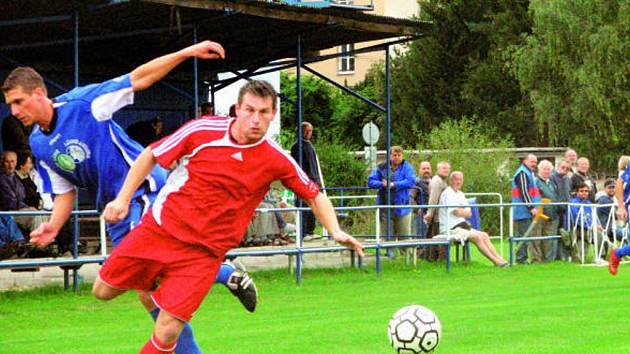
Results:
545 250
562 180
402 178
570 156
11 238
23 172
420 196
582 217
582 176
13 195
232 111
453 220
436 187
206 110
606 198
310 165
146 132
15 135
524 190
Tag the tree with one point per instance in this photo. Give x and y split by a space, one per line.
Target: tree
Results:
458 70
575 66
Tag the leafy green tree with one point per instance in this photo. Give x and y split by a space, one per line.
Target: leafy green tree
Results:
317 102
575 67
480 152
458 70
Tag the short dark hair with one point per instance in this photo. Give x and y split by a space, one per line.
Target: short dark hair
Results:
258 88
206 108
25 77
579 186
22 156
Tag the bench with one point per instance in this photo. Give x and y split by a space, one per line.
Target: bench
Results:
66 264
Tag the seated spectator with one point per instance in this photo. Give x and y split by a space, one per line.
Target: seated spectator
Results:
453 220
23 172
13 195
582 219
268 228
545 250
11 239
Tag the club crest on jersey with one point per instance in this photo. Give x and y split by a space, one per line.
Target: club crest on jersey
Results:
76 152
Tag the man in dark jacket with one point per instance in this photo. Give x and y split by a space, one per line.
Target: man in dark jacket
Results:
310 165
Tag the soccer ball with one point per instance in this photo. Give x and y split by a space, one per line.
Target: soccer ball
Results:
414 329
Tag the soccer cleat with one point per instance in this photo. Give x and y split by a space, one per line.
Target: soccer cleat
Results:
613 263
242 286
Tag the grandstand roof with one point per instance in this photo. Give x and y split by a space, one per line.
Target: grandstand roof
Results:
117 35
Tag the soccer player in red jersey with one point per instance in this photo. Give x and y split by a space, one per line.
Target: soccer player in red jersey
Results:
222 170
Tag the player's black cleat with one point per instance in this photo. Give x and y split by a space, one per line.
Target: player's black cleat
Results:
242 286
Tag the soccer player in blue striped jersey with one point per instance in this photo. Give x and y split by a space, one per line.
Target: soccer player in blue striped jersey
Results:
77 144
622 193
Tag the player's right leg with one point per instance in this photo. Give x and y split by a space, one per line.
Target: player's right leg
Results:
165 334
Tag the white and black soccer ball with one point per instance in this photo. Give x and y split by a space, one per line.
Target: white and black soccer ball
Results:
414 329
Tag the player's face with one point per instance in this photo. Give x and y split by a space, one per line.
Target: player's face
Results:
253 117
27 107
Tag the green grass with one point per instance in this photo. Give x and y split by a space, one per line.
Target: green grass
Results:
550 308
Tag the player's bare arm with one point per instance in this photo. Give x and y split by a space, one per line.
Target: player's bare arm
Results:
45 234
325 213
149 73
118 208
621 209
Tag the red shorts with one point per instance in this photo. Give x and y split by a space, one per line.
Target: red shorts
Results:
148 253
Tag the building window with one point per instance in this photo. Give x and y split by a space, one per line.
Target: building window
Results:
346 62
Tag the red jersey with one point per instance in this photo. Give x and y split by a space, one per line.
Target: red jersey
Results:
210 197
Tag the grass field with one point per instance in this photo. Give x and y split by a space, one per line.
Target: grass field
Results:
551 308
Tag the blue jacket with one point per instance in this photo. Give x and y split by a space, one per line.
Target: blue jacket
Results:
586 219
403 177
530 194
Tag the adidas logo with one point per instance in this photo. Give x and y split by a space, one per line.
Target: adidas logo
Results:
238 156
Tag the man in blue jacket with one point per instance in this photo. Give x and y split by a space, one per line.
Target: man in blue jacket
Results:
402 178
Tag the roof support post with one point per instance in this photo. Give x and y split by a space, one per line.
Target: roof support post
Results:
298 74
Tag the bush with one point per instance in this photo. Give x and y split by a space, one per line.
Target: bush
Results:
482 156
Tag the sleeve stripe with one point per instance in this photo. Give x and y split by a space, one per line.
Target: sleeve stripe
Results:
178 136
54 183
105 105
303 176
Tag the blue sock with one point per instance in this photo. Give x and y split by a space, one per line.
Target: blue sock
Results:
224 273
623 251
186 342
